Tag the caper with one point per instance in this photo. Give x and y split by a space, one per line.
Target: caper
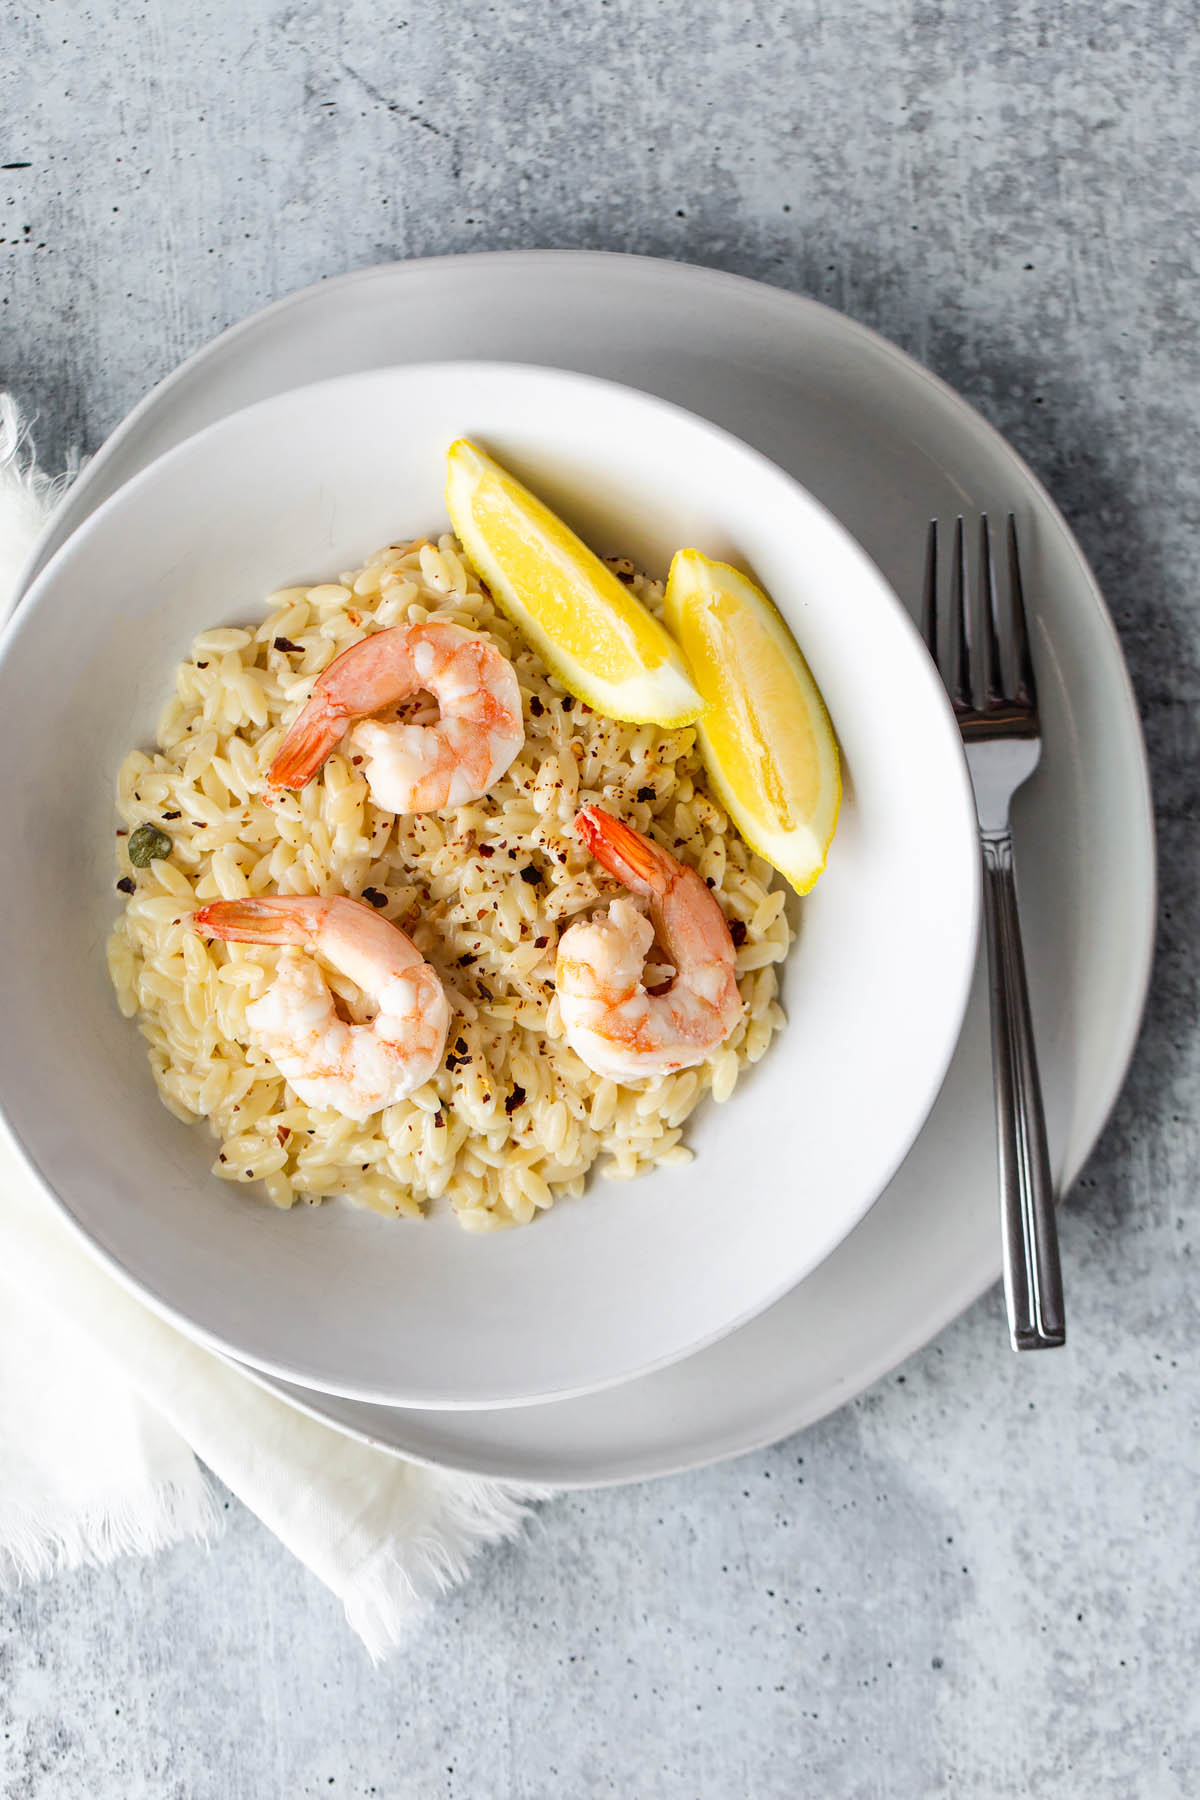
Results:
146 845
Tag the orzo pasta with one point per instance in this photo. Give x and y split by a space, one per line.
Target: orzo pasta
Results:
513 1120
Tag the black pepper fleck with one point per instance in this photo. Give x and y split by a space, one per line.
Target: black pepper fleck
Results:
535 706
282 643
645 793
568 703
531 874
127 885
737 932
374 897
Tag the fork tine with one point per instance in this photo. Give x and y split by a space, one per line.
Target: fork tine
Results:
989 637
1026 686
960 666
928 619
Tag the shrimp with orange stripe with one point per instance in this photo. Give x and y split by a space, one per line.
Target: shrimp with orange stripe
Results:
411 768
611 1020
355 1069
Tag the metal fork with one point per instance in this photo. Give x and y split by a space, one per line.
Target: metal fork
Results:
988 671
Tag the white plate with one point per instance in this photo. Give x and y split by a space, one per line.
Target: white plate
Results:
635 1274
886 446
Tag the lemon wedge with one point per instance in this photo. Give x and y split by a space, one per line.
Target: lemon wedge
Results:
598 639
764 734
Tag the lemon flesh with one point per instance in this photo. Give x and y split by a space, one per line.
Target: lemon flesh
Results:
591 632
764 734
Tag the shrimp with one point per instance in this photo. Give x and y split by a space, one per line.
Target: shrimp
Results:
611 1021
412 768
355 1069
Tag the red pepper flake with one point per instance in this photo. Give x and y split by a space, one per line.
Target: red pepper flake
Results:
204 665
221 1157
283 1133
515 1098
487 850
357 761
286 644
535 706
122 831
540 943
737 932
172 815
354 617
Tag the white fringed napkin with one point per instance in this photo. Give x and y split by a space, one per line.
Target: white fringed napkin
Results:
104 1408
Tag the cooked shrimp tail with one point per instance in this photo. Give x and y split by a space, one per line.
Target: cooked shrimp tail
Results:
636 862
611 1021
252 921
313 738
355 1069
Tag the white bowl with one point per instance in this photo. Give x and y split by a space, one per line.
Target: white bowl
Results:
633 1275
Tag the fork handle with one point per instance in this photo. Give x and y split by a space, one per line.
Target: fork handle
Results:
1032 1272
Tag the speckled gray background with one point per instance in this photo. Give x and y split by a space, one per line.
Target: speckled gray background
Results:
979 1579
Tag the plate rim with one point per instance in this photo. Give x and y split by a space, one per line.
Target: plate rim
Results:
788 306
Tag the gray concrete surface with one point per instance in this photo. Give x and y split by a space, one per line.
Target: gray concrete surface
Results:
979 1579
